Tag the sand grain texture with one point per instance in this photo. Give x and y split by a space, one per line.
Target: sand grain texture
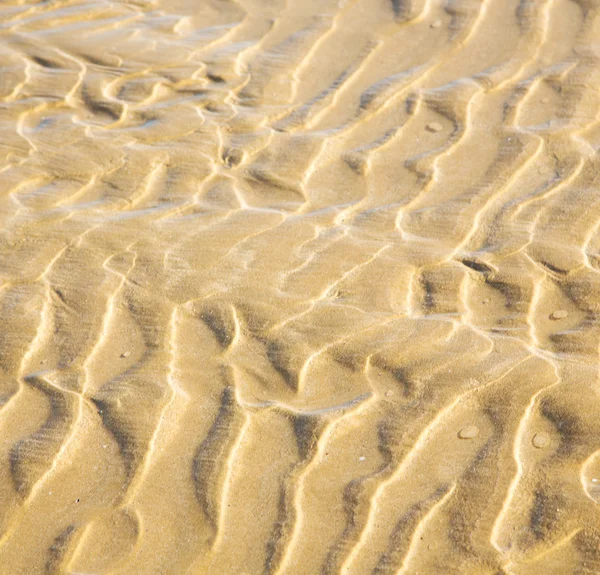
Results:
299 287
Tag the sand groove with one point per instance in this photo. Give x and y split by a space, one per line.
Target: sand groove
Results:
299 287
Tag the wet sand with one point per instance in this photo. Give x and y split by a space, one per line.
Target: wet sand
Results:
299 287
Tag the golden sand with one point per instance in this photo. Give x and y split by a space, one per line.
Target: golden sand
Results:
299 287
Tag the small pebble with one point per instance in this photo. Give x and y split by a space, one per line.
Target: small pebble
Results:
559 314
362 458
389 393
436 24
468 432
126 354
435 127
594 480
540 440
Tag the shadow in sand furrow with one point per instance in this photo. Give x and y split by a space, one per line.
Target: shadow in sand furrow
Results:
473 510
59 551
272 184
308 111
404 531
276 65
8 388
210 461
359 159
298 117
407 10
514 153
20 309
131 403
526 16
511 292
440 289
479 487
45 62
280 357
401 7
381 92
307 429
33 456
219 317
477 265
102 544
544 513
101 109
356 500
465 14
569 426
273 547
549 516
285 352
130 406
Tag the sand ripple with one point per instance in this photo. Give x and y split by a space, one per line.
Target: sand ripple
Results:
299 287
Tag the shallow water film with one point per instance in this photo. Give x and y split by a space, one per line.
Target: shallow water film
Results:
298 287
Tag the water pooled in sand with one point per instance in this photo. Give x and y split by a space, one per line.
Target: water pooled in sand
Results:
262 261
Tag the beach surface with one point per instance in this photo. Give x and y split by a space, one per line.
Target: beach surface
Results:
299 287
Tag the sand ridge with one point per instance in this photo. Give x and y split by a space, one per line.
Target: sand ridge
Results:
299 287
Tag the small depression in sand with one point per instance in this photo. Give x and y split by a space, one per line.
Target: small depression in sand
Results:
303 287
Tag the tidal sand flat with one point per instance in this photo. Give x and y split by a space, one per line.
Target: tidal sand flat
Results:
299 287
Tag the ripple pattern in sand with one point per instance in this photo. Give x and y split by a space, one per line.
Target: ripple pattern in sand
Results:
299 287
